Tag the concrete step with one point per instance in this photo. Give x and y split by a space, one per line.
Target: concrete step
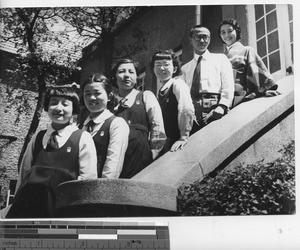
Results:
245 132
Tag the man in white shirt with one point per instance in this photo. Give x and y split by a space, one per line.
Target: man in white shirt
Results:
212 84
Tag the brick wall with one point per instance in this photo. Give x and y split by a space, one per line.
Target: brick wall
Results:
13 129
90 64
161 27
164 27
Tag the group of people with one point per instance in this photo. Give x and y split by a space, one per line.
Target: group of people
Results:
126 128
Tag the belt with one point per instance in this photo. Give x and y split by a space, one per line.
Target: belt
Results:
207 95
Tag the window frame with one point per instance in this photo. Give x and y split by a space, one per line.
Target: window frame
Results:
285 51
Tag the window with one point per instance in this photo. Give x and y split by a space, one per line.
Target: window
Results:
267 35
272 39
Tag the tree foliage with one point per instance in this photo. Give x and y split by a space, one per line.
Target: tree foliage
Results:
46 42
100 24
96 21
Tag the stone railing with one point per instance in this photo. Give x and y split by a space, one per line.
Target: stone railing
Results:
250 132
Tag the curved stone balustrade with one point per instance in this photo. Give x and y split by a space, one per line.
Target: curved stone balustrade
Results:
115 197
223 140
251 127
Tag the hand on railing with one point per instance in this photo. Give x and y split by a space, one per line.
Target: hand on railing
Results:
214 114
270 93
179 144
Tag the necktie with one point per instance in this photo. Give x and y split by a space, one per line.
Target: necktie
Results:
195 88
122 105
90 126
52 142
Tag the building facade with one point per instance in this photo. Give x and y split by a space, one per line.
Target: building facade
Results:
266 28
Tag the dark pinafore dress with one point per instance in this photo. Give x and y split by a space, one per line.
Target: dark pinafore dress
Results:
101 140
36 196
138 154
168 103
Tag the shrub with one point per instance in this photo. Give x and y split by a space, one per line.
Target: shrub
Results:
262 188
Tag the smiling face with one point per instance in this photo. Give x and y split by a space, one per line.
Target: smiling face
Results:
95 98
126 77
60 111
228 34
164 69
200 39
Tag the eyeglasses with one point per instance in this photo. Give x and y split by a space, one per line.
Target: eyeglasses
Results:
199 37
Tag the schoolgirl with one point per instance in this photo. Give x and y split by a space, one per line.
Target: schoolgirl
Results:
174 98
142 112
110 133
60 153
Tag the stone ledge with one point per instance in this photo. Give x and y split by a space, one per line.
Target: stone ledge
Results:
153 191
211 146
155 188
115 192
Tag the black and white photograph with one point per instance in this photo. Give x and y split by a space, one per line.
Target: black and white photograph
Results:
154 111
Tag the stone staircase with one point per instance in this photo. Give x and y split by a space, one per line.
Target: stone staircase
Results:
251 132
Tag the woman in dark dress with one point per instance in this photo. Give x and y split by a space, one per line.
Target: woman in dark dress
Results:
142 112
174 98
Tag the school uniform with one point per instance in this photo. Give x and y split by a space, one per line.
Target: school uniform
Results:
110 135
43 169
177 108
147 136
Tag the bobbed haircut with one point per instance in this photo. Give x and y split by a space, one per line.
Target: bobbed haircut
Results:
100 78
167 55
115 67
235 25
69 91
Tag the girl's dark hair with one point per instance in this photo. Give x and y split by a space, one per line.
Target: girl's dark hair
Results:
234 23
69 91
97 77
116 66
167 55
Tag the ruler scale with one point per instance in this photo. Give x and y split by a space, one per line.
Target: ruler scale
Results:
86 235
